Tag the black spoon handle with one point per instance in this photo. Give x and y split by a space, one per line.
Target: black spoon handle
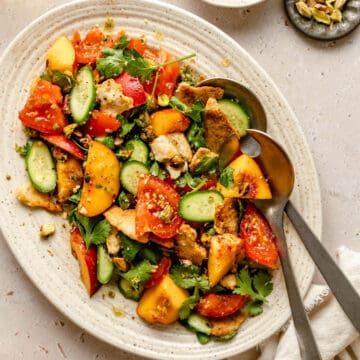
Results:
342 289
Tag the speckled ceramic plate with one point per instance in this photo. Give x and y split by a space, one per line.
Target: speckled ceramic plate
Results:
50 265
316 30
234 3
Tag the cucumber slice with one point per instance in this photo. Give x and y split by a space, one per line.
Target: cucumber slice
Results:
83 95
199 323
40 166
129 175
238 117
104 265
140 152
199 206
128 291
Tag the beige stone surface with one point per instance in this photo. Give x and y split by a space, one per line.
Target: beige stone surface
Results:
321 82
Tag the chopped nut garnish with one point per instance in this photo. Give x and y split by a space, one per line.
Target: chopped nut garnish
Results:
323 11
46 230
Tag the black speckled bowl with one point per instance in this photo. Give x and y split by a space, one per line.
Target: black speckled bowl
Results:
315 30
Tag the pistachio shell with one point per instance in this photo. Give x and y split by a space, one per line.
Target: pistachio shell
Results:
336 15
303 9
321 16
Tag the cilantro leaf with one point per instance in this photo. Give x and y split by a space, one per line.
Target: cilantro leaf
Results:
126 125
254 308
189 276
122 43
244 284
60 79
262 284
208 164
227 177
139 274
189 305
195 133
138 66
130 247
112 64
93 230
257 287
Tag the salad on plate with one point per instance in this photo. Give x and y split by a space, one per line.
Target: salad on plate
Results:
147 168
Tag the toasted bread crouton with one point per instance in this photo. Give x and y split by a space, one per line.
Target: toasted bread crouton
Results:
226 217
217 125
189 94
226 325
186 246
113 241
69 177
124 221
29 196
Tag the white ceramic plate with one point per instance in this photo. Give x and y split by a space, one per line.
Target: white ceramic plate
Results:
50 264
234 3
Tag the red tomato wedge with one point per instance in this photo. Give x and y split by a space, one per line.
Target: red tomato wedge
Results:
259 240
42 111
101 124
88 50
168 74
132 88
162 269
64 143
138 45
220 305
157 208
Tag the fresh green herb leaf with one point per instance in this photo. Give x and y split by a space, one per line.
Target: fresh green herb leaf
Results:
195 113
122 43
254 308
189 304
137 66
227 177
257 287
262 284
244 284
189 276
112 64
157 171
93 230
60 79
195 136
130 247
75 198
139 274
126 125
207 164
151 253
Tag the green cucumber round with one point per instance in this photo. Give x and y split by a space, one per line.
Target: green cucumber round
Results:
199 206
129 175
104 265
40 166
237 116
83 95
140 151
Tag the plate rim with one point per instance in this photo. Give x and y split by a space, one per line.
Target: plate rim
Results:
238 4
51 298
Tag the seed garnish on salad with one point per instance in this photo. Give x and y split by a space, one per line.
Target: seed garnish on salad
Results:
149 171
